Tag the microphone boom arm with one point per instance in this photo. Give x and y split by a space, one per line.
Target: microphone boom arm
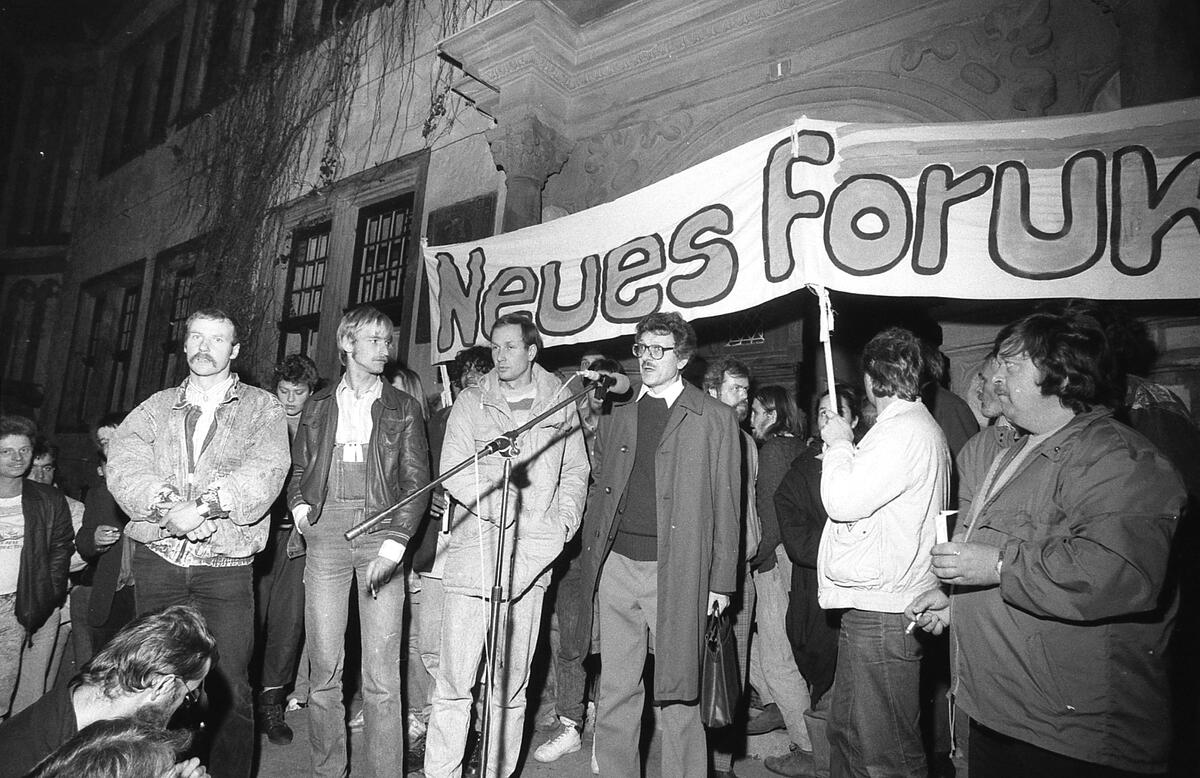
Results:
497 445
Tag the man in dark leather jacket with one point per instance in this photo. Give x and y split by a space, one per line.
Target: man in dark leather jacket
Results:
35 550
361 448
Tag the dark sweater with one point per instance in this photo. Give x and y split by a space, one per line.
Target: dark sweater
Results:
33 734
637 514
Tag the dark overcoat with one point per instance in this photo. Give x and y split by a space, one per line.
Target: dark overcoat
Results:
698 476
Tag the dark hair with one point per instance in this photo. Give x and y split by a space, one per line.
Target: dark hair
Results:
1133 350
215 314
670 323
296 369
115 748
524 320
111 419
172 641
12 424
847 397
1071 353
475 358
606 365
43 447
894 361
714 376
774 397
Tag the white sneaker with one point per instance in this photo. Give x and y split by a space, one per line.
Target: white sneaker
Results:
567 741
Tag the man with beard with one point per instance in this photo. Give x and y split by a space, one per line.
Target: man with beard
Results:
660 549
728 380
151 668
196 468
359 450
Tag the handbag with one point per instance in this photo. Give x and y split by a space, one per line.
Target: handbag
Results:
720 682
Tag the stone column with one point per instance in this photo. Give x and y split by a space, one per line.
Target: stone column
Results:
528 151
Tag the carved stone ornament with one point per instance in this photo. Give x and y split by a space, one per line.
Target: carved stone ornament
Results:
1004 57
616 163
528 148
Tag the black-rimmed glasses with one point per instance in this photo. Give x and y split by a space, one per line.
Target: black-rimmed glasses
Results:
656 352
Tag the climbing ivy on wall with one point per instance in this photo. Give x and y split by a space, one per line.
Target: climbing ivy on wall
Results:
256 150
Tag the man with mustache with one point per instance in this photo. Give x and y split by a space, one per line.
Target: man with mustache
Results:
196 468
360 449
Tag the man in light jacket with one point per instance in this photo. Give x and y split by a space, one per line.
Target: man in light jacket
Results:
882 497
545 505
195 468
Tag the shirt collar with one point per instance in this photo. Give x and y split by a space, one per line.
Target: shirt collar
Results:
374 393
670 392
194 395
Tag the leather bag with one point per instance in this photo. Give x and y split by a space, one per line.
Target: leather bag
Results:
720 681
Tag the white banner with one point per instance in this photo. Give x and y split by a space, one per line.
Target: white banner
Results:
1105 206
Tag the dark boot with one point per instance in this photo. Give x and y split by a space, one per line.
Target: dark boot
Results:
270 717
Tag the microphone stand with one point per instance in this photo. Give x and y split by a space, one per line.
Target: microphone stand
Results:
506 446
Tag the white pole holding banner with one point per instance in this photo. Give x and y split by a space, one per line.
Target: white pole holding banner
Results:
825 325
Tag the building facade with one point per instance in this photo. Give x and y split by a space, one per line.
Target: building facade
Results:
351 130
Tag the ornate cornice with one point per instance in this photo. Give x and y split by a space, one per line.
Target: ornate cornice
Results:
688 39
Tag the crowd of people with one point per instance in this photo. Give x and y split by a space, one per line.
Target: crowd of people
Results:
868 550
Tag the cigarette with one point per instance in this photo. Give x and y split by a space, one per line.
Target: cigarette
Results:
908 630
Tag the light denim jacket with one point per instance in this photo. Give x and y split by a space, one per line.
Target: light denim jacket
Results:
245 462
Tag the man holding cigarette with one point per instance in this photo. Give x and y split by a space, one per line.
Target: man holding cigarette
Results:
1061 610
883 497
195 468
359 450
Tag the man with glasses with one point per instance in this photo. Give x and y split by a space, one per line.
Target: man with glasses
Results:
196 469
660 549
153 667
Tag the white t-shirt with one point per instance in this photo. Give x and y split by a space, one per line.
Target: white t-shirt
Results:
12 538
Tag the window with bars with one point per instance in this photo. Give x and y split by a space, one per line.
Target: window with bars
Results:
305 290
379 255
118 384
104 355
172 346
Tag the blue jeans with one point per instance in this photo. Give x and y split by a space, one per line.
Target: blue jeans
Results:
333 566
874 716
225 598
569 676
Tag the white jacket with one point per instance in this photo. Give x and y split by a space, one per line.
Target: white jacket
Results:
882 497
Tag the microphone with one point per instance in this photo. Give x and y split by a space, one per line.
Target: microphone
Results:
605 381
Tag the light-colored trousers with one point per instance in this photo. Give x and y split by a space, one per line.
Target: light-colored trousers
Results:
773 670
627 602
464 631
